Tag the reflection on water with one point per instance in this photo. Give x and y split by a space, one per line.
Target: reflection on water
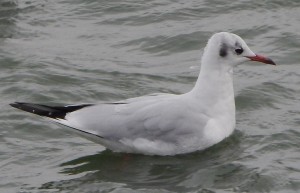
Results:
173 173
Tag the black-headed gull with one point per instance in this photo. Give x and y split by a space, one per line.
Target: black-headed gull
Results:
165 124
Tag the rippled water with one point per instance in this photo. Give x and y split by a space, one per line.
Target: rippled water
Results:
75 51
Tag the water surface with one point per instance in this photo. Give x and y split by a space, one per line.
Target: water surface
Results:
75 51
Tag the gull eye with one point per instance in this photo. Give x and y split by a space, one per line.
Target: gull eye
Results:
239 51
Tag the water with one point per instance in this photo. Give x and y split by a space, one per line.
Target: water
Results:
75 51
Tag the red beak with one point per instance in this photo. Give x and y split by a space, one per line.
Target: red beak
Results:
262 59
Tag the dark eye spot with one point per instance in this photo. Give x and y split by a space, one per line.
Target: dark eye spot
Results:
223 50
239 51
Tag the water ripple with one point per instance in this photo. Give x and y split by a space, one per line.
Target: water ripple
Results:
91 51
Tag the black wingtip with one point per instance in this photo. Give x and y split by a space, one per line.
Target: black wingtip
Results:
41 110
16 105
13 104
55 112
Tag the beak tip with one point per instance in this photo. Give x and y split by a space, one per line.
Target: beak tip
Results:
262 59
273 63
269 61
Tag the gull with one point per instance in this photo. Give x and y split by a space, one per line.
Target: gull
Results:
165 124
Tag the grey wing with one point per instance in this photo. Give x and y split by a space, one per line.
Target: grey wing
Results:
162 117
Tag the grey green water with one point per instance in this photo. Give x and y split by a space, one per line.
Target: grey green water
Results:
87 51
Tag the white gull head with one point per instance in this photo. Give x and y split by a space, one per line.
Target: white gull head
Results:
225 50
